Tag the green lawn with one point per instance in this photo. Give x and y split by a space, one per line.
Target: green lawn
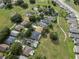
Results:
71 3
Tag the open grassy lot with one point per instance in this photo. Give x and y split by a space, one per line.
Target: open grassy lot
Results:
71 3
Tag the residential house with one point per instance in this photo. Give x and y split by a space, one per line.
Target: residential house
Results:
76 36
76 56
35 35
27 51
24 23
32 43
14 33
74 30
76 41
3 47
22 57
10 40
19 27
76 49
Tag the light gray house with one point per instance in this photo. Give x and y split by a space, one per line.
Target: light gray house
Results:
27 51
76 41
22 57
76 49
35 35
19 27
14 33
76 36
76 56
10 40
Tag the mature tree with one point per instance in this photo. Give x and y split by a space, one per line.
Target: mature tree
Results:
24 5
54 35
8 6
32 1
33 18
28 33
16 48
19 2
4 33
11 57
45 32
6 1
76 2
54 3
17 18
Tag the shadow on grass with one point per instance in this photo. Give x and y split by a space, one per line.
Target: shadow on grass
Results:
56 42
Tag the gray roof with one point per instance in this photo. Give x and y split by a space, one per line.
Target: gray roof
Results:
74 30
76 41
76 49
10 40
24 23
19 27
76 56
35 35
76 36
14 33
27 50
22 57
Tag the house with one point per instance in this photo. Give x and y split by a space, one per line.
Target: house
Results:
42 24
19 27
3 47
76 49
35 35
73 35
74 30
27 51
32 43
22 57
10 40
14 33
76 56
37 28
24 23
76 41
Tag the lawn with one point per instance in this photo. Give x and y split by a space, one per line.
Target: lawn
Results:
71 3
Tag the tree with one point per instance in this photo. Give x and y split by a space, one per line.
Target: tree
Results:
24 5
76 2
28 33
32 1
32 18
19 2
16 48
54 3
17 18
4 33
11 57
54 35
9 6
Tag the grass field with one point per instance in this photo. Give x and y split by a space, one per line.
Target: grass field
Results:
71 3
